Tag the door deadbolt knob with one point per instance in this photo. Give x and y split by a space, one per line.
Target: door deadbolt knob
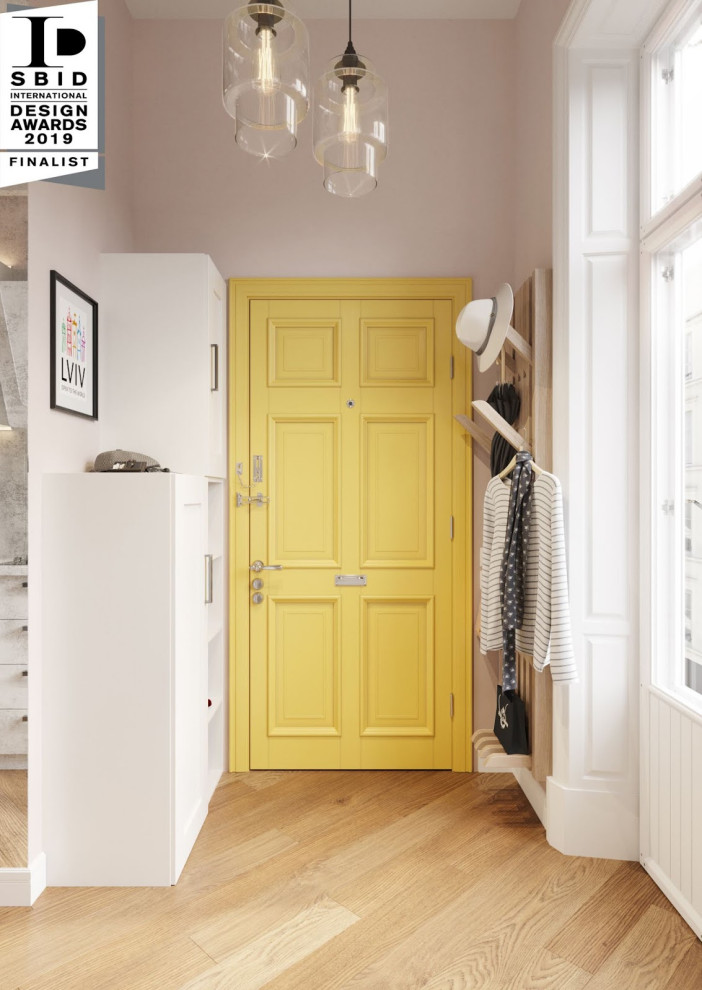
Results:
257 584
257 598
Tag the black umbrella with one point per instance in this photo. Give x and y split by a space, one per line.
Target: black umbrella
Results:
505 400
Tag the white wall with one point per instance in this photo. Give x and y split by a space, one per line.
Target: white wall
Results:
68 228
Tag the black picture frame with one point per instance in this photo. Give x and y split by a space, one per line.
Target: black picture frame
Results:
73 349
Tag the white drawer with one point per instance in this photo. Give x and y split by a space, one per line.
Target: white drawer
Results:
13 732
13 686
13 641
13 597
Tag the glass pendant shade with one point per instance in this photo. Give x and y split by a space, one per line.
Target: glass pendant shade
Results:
350 125
266 77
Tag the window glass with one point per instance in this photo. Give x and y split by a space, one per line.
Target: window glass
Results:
677 101
691 259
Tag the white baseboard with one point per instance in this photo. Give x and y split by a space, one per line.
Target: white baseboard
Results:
590 823
534 792
21 887
679 902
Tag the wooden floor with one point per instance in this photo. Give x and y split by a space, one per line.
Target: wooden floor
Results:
13 818
379 881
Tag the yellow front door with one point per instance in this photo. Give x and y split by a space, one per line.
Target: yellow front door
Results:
350 415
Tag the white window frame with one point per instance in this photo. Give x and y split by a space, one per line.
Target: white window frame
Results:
664 234
660 123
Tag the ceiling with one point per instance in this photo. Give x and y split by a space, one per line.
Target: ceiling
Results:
323 9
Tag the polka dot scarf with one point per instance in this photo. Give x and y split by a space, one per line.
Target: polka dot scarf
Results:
514 564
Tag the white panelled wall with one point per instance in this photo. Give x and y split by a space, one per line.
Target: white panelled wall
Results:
593 795
672 806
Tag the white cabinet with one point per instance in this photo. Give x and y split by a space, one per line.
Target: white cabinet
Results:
13 668
125 581
163 375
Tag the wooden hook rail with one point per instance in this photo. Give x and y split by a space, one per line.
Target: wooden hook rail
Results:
476 432
500 424
527 355
492 756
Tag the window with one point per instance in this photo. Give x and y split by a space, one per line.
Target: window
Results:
677 332
676 87
672 267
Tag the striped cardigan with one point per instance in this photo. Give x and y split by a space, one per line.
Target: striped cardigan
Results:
545 632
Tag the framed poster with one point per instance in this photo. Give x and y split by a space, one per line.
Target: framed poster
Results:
74 349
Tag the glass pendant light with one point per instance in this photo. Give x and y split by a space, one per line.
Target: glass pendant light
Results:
266 77
350 124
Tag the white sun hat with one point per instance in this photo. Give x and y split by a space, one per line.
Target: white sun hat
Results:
482 325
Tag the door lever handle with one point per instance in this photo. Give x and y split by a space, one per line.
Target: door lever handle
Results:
258 565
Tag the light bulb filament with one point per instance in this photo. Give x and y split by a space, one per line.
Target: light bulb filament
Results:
266 70
350 123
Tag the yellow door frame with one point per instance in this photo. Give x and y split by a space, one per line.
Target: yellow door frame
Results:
241 294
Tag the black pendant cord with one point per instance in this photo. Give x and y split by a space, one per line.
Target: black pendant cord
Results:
349 60
350 50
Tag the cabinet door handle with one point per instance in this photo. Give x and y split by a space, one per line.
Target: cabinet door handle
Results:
214 367
208 579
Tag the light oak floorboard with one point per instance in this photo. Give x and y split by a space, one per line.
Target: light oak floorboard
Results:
274 951
141 960
596 930
259 780
688 974
648 953
488 933
238 858
334 880
392 904
324 863
13 818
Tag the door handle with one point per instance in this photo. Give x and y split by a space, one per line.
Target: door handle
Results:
258 565
208 579
214 367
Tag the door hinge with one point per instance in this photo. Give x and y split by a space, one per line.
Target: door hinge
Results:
667 75
451 705
668 273
451 528
452 367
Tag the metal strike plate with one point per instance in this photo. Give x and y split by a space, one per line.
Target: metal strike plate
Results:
350 580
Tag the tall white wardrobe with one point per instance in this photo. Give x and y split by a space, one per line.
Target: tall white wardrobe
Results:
134 589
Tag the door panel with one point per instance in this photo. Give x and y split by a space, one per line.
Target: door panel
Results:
303 352
350 408
397 501
397 667
303 667
305 513
397 352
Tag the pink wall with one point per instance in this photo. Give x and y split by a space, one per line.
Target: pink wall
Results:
465 191
68 228
444 204
536 26
531 184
